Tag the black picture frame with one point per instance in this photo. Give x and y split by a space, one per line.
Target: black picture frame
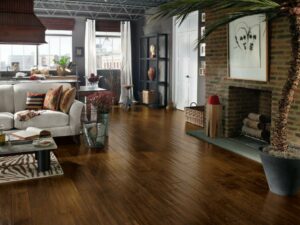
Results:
79 51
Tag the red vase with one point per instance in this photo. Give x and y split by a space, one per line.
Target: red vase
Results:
213 100
151 73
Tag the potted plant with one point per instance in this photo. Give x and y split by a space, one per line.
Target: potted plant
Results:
62 63
93 79
280 161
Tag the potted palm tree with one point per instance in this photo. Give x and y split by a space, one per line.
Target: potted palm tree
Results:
281 163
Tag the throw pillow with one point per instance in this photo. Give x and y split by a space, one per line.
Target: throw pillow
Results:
52 98
67 99
34 101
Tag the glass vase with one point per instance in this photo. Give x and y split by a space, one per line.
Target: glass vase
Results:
103 118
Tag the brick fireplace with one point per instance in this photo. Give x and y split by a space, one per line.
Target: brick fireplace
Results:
240 96
241 102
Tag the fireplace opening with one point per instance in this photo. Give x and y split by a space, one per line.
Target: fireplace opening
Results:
249 113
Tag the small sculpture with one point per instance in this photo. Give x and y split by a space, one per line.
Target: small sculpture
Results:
152 51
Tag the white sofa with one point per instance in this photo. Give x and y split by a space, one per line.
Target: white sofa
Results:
13 100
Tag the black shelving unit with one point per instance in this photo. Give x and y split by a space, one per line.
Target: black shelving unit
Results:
159 84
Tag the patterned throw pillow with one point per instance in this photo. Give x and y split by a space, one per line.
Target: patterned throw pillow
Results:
34 101
52 98
67 99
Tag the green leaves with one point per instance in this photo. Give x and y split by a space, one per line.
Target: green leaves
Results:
234 9
62 61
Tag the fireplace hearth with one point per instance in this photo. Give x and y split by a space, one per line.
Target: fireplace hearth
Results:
248 112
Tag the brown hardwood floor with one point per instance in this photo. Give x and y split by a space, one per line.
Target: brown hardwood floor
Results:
151 173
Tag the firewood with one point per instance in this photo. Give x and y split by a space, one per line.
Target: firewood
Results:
253 124
252 132
260 134
259 118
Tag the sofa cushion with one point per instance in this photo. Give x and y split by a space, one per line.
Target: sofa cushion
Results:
7 120
52 98
47 119
7 98
34 101
67 100
21 89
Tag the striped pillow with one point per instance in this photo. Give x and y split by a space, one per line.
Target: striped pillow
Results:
34 101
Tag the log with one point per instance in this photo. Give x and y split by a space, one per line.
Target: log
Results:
259 118
252 132
261 134
254 124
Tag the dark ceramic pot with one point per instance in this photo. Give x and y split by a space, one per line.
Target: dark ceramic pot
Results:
283 175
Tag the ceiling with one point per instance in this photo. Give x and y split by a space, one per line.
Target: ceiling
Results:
95 9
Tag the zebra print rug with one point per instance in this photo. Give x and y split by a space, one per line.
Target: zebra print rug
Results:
24 167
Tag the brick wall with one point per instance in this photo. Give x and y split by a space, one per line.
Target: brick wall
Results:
218 82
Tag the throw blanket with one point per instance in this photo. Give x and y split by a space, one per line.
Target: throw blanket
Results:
27 115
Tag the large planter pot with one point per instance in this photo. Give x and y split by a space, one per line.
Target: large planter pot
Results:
283 174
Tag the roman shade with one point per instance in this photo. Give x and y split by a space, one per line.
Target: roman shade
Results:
58 23
108 26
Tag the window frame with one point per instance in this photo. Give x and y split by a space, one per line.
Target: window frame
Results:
56 35
108 35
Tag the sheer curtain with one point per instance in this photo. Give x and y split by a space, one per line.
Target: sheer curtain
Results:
90 48
126 64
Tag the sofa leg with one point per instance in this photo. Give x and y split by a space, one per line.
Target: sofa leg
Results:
76 139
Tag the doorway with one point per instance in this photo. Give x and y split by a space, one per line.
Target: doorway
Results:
185 62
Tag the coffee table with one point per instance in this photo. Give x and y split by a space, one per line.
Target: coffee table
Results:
42 154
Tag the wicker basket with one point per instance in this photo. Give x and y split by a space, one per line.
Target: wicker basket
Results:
149 96
195 114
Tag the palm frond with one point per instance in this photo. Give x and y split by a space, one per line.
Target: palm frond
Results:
231 17
236 9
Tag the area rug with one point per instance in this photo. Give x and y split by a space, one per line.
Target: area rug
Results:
241 145
24 167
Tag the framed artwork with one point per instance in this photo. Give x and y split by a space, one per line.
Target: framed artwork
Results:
202 32
202 17
79 51
202 49
248 48
202 68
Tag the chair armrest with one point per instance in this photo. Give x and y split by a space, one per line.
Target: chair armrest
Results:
75 116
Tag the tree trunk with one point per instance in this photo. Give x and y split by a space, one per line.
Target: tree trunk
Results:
279 140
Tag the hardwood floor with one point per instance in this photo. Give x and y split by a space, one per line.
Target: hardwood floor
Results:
151 173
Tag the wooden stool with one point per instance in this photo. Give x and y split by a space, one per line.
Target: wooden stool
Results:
128 103
213 126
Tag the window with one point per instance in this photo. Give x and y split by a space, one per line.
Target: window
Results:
59 43
23 55
108 50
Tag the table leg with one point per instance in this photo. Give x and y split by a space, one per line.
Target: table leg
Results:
43 160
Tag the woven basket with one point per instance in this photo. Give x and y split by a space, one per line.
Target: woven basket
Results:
195 114
149 96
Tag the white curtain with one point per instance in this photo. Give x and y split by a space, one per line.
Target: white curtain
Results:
126 64
90 48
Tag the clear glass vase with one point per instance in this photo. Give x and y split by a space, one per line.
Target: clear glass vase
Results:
96 132
103 118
